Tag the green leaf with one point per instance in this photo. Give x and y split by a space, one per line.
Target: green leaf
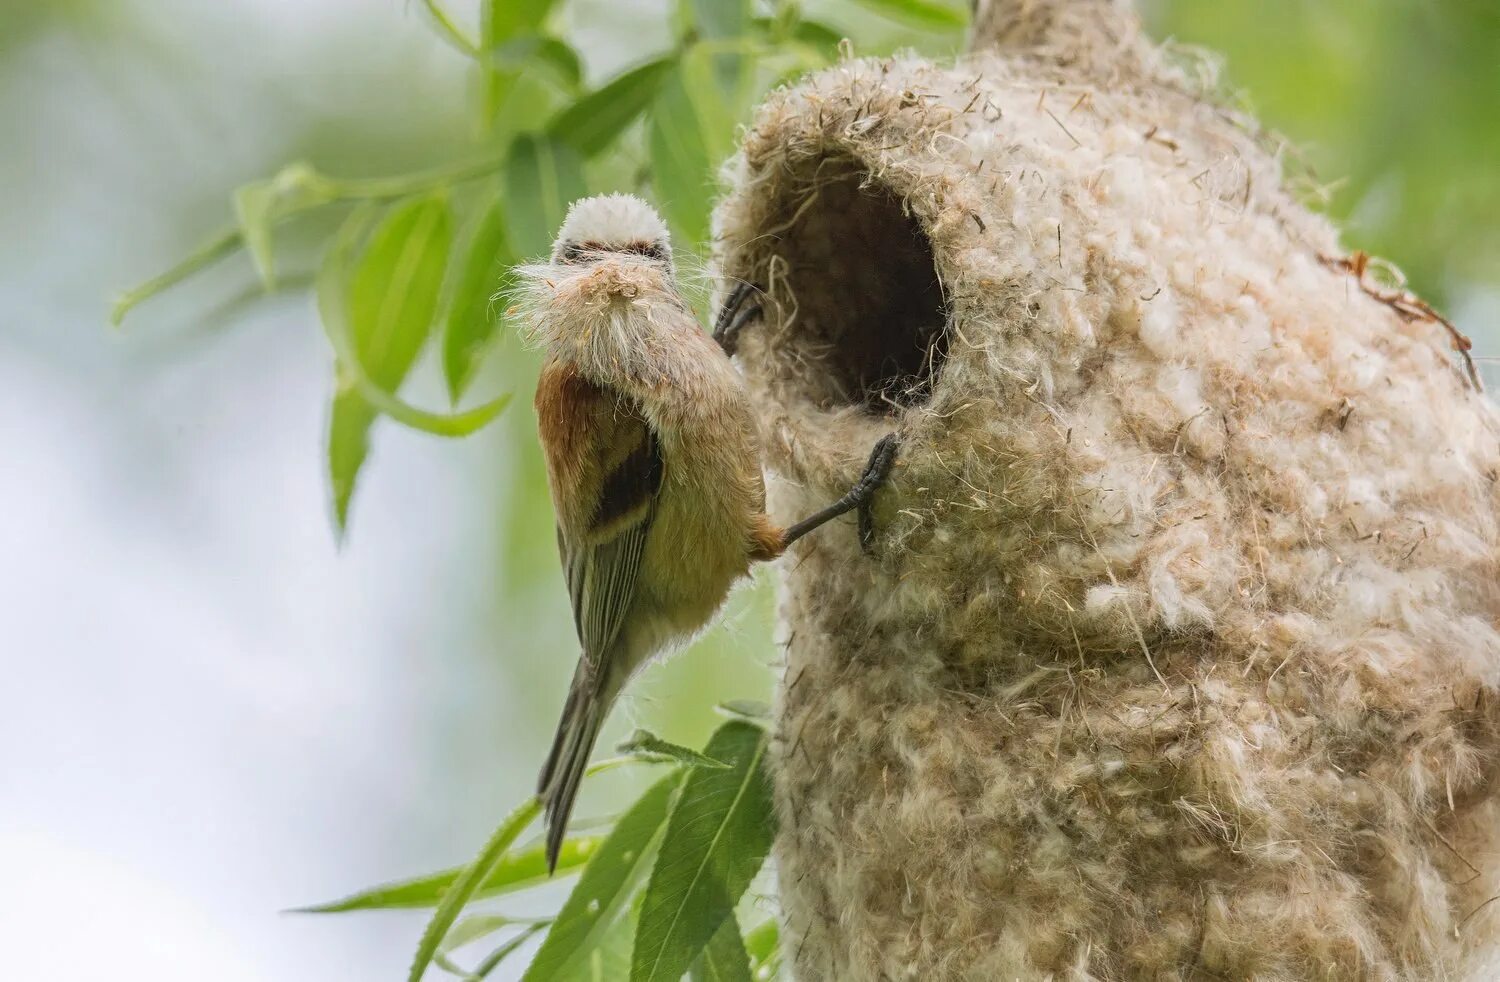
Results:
724 960
925 14
763 944
387 306
680 165
542 177
493 959
606 886
646 744
747 709
501 20
609 959
592 123
375 339
471 929
719 20
467 885
716 841
516 870
335 306
259 205
549 54
820 36
393 298
715 118
473 304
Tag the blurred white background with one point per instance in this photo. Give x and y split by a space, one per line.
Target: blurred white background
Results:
211 712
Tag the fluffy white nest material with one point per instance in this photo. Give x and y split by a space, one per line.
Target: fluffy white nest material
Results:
1177 654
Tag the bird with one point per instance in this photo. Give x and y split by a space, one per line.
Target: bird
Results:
653 462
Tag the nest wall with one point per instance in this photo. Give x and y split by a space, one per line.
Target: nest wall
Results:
1176 653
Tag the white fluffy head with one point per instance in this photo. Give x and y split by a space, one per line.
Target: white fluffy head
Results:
612 223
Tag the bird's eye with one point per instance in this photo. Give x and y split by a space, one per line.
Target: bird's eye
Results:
651 250
572 252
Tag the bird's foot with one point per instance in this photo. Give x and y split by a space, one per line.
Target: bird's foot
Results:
740 308
882 459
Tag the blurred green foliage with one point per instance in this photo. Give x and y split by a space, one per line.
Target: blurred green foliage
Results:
1392 97
1392 102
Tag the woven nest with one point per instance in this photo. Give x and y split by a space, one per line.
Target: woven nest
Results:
1176 653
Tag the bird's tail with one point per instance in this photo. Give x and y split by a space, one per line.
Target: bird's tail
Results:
576 732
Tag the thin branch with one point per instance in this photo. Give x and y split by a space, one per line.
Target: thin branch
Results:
450 31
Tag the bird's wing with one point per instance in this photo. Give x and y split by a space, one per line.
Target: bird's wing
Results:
604 561
606 469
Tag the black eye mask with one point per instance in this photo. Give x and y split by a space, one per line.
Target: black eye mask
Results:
575 252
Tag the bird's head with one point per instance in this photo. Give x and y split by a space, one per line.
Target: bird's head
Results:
606 300
612 225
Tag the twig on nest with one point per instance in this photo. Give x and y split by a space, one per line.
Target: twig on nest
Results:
1408 305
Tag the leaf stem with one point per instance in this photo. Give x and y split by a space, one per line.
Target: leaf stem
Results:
449 30
220 246
400 185
331 190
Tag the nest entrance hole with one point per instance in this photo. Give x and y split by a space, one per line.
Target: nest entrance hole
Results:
867 314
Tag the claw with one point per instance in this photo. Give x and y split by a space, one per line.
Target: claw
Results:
882 459
739 309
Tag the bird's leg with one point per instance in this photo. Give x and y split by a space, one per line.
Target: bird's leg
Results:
859 496
739 309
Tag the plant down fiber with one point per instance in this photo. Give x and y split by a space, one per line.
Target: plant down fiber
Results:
1176 653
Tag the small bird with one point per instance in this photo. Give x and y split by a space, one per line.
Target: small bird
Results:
653 461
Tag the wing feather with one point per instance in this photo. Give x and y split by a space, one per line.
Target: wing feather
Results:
606 469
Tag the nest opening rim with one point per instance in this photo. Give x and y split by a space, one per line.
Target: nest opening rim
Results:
857 308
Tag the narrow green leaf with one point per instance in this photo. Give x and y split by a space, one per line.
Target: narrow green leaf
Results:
349 425
477 926
926 14
643 743
721 18
606 886
467 885
715 118
826 39
501 20
592 123
748 709
259 205
409 298
473 304
516 870
609 958
718 20
680 167
724 960
763 943
716 841
542 177
493 959
252 210
549 54
384 309
394 293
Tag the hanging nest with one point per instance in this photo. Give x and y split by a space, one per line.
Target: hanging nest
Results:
1176 654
